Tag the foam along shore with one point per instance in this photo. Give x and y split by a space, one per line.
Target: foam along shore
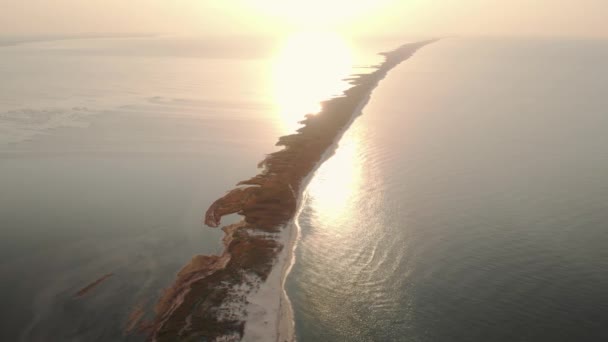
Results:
239 294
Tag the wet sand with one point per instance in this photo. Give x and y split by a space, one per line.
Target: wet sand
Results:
239 294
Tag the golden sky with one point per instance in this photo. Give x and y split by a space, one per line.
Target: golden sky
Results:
582 18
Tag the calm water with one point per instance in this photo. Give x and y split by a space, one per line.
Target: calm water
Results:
469 202
112 149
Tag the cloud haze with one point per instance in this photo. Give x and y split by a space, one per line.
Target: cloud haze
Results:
583 18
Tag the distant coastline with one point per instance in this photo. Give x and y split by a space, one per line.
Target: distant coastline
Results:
25 39
240 293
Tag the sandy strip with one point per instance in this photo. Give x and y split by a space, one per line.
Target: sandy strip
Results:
263 304
248 295
269 317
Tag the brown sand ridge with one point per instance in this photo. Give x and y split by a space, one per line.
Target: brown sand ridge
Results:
85 290
200 305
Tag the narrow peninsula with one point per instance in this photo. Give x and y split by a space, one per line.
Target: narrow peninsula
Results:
211 299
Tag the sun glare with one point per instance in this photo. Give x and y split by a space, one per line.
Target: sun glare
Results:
311 67
339 177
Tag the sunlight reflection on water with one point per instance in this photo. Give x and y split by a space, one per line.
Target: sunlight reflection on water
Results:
333 187
310 67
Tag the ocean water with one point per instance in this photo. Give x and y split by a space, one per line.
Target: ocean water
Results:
111 150
468 202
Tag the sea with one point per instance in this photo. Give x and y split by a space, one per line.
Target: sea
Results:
468 201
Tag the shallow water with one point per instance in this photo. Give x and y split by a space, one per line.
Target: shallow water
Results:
467 203
111 149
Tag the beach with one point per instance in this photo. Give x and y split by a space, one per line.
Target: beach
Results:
232 296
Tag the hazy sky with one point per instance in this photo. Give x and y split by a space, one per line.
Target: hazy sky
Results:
586 18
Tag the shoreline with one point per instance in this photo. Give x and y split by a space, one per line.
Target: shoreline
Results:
240 294
286 319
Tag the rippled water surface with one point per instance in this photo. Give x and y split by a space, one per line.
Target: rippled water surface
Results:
111 149
469 202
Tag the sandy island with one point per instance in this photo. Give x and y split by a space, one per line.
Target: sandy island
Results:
239 294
